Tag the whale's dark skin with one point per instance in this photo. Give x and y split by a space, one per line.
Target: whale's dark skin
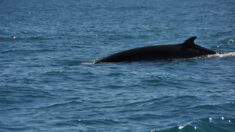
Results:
187 49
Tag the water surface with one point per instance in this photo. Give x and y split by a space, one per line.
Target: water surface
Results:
47 82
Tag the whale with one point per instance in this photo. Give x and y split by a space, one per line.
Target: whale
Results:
187 49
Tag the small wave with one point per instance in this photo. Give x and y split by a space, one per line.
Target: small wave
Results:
57 105
88 63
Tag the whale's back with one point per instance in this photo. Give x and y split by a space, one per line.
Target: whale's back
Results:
187 49
145 53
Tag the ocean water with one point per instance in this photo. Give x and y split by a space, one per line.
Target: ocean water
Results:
48 81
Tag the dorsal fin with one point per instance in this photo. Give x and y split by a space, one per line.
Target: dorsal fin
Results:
190 41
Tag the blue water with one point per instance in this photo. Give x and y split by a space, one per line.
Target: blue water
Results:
48 83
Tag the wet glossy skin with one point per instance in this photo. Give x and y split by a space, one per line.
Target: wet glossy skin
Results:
188 49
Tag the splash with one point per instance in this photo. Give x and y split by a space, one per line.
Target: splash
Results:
228 54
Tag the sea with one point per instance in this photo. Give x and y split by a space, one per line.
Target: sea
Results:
48 81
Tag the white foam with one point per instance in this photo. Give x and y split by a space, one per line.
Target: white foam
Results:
230 41
221 55
183 125
228 54
210 119
222 118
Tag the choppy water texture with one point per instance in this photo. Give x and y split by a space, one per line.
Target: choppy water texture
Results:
47 82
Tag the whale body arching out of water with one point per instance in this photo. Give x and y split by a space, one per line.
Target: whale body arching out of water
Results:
187 49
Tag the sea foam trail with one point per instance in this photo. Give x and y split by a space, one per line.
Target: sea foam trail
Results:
228 54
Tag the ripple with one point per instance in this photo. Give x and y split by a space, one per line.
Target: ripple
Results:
203 125
20 38
25 51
